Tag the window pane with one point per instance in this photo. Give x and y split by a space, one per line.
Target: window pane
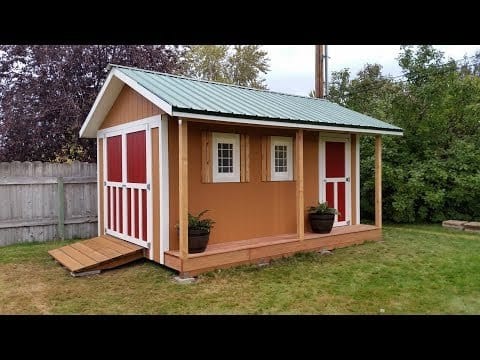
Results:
225 158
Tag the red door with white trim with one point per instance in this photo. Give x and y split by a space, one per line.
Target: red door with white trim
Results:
126 187
335 177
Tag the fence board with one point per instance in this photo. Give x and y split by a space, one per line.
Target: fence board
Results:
29 201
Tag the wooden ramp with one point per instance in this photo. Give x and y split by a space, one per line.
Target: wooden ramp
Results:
91 256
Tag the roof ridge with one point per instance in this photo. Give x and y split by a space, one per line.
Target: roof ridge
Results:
213 82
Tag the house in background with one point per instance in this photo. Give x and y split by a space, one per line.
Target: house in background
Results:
169 145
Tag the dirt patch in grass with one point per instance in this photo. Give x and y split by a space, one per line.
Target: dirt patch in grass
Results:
22 290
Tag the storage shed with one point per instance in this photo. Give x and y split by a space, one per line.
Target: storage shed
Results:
169 145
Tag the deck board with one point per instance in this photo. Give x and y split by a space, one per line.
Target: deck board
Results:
96 254
263 248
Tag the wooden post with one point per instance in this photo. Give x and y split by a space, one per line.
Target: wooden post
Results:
319 71
61 208
378 181
299 184
183 186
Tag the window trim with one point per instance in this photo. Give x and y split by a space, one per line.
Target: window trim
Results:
228 138
281 141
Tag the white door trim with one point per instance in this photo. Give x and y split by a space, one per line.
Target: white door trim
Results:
322 172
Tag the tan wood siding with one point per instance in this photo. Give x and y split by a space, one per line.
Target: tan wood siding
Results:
129 106
241 210
310 168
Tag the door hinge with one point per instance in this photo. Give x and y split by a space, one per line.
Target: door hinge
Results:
347 179
348 222
148 186
104 183
124 185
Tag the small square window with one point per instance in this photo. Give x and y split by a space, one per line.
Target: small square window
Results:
226 157
281 158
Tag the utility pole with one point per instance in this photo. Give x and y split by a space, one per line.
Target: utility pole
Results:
326 71
319 86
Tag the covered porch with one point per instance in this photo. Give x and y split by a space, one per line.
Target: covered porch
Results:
262 249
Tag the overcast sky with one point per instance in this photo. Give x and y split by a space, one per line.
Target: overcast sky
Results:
292 67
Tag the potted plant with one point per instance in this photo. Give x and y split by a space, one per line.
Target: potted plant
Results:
198 232
321 218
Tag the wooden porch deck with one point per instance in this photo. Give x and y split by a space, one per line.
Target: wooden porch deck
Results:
262 249
93 255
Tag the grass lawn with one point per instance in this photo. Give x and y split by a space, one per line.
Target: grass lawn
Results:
416 270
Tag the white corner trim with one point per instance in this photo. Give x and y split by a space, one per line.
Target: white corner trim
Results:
98 185
149 164
268 123
144 92
228 138
288 142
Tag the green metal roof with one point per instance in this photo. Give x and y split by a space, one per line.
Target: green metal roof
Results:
213 98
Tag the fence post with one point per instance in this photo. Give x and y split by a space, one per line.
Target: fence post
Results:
61 208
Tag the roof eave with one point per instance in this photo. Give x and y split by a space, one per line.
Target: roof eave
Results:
263 121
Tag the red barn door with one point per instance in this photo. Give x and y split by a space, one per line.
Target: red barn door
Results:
335 177
126 198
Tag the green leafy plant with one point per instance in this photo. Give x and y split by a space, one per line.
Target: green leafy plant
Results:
322 209
197 223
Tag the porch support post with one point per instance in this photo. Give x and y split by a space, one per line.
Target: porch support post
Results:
299 184
183 186
378 181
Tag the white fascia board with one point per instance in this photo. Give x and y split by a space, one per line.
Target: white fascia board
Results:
102 105
241 121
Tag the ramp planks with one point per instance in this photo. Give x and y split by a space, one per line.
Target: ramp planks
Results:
100 253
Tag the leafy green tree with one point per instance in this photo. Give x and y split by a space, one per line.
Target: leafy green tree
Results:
430 173
208 62
238 64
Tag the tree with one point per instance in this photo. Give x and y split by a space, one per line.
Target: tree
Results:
46 93
429 174
238 64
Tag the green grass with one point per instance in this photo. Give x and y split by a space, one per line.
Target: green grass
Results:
420 269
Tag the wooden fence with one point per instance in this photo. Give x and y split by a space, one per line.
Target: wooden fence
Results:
46 201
